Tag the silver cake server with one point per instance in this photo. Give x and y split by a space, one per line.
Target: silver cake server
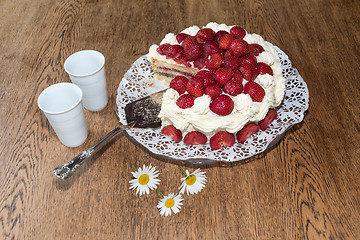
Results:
142 113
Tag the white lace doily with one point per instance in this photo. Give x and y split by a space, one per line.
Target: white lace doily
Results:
139 82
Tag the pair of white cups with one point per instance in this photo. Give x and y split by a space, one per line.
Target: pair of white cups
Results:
63 103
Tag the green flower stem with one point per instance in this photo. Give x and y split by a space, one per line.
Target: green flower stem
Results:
135 168
182 171
160 192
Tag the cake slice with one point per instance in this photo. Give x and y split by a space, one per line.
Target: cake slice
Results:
168 61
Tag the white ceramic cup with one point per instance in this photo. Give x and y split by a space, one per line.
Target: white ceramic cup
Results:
62 106
87 70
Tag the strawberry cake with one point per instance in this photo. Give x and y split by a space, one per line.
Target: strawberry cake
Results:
224 84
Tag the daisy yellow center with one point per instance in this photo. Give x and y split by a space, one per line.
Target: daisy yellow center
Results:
190 180
169 203
144 179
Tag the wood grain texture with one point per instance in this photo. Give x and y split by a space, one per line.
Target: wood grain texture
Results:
306 187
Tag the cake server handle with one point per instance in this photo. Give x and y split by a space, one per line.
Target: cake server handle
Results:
68 169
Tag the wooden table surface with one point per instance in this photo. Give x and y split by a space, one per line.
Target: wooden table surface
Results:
306 187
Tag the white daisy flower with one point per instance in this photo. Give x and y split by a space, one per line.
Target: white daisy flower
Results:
170 203
144 179
193 183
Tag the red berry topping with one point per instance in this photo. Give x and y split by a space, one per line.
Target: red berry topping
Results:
252 50
163 48
237 76
233 87
263 68
213 90
174 51
232 62
214 61
248 71
213 72
182 60
257 49
210 48
227 53
248 58
222 139
189 39
239 48
269 118
238 32
219 34
222 75
207 76
255 91
185 101
171 131
195 138
200 63
195 86
225 41
222 105
204 35
246 132
181 37
192 50
179 84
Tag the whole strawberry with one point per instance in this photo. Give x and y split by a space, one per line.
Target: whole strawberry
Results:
163 48
187 40
256 49
213 90
200 62
233 87
207 76
225 41
263 68
237 76
214 61
204 35
219 34
239 48
231 62
179 84
227 53
195 86
181 37
192 50
185 101
174 51
248 71
248 58
238 32
222 75
255 91
222 105
210 48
